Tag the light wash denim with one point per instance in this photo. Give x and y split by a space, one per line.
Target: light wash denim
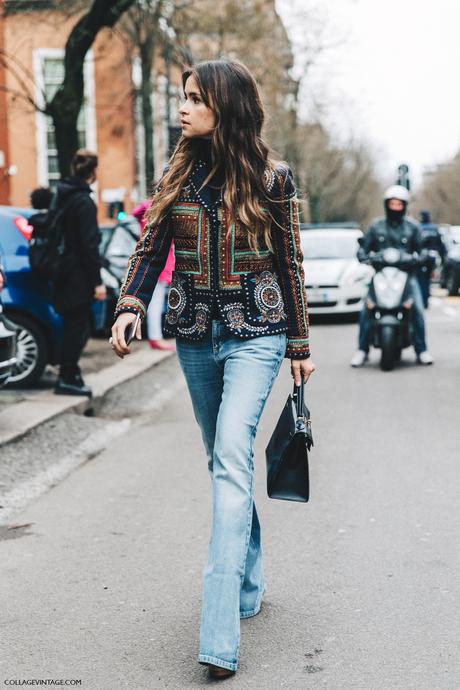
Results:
229 380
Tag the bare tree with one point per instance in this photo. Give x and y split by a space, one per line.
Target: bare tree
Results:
252 32
149 28
143 27
66 103
439 192
339 180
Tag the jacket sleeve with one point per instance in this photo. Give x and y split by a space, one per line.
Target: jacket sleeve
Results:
144 267
367 244
89 235
289 258
440 246
418 239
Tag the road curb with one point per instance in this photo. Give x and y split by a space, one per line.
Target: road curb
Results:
18 419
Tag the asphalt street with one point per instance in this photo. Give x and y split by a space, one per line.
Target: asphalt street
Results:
363 581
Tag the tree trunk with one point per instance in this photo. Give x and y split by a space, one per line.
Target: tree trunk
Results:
146 55
314 202
65 106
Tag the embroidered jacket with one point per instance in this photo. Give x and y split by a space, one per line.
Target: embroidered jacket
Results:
216 271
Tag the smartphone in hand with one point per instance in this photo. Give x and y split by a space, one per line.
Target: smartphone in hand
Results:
130 331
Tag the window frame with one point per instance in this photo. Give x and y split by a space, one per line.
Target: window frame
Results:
41 120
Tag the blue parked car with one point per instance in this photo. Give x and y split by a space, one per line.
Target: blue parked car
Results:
26 301
8 338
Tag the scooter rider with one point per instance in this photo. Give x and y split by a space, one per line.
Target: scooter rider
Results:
433 245
394 230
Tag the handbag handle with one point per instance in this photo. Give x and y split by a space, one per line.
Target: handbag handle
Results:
303 422
298 396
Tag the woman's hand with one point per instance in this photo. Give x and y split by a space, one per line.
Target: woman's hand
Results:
301 368
117 340
100 292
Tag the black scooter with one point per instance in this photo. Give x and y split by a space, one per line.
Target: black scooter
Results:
390 303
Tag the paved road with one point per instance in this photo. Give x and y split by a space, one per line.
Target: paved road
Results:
363 582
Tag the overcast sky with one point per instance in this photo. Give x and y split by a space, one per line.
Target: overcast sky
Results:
393 79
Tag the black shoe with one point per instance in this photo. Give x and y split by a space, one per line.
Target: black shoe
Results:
77 387
219 673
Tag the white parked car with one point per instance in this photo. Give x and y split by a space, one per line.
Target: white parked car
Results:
450 235
336 282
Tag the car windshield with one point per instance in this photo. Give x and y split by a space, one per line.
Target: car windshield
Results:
123 240
119 246
324 247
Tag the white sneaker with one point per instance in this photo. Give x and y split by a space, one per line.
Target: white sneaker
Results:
425 358
359 358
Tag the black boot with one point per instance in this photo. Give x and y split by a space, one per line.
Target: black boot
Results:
72 386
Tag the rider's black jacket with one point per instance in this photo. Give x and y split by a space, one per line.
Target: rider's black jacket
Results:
431 239
383 234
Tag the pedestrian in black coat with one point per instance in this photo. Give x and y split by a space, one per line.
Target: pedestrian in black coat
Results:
81 278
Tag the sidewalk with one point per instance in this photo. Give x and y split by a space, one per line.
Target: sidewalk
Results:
96 356
23 410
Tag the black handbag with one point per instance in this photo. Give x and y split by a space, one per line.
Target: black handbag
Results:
287 451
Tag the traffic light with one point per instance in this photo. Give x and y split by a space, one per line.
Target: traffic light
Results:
116 209
403 176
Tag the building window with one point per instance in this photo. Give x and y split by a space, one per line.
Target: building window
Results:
49 73
53 74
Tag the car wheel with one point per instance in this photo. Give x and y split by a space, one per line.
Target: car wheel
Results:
32 353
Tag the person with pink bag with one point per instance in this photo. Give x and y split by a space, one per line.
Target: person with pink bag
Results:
155 309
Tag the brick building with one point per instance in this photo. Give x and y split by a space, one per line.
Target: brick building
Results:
32 45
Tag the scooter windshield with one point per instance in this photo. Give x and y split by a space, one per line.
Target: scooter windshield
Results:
389 285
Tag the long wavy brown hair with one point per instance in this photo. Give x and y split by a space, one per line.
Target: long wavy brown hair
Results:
230 90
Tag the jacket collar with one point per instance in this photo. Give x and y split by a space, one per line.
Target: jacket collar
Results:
200 171
196 179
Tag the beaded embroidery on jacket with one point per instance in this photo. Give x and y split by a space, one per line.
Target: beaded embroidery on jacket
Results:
256 293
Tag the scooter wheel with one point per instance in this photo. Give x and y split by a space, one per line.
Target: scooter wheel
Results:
389 348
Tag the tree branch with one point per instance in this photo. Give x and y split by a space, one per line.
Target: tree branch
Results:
67 101
6 59
23 97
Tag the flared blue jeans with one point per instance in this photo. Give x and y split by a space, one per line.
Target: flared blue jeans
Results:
229 380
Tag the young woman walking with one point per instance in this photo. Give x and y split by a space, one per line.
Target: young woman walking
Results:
237 306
